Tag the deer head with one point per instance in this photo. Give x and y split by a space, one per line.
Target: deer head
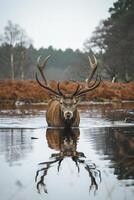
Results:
68 102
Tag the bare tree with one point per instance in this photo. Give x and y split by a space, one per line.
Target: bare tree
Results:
14 36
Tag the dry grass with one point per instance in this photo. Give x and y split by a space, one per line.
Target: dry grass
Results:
30 90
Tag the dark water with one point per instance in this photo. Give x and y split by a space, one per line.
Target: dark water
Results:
95 161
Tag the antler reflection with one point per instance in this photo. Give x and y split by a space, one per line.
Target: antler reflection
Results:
65 141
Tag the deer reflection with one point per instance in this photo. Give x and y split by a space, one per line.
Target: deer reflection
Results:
65 142
124 154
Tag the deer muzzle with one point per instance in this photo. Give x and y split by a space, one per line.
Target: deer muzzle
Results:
68 115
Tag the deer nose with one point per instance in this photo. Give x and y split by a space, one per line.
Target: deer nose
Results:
68 115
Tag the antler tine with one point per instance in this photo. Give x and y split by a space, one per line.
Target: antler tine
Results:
47 87
77 90
93 180
59 163
75 159
94 82
94 86
94 67
58 87
42 66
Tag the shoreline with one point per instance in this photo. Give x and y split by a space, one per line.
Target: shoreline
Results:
44 103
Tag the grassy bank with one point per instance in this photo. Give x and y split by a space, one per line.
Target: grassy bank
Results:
30 91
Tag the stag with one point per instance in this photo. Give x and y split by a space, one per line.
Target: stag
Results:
62 110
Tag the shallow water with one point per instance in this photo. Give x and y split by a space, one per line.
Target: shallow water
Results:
95 161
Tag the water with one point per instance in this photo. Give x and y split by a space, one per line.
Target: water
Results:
95 161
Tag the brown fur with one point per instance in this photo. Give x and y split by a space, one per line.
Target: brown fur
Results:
55 137
54 116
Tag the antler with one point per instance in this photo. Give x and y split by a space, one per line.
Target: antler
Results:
45 85
92 176
95 84
94 67
78 92
41 182
41 68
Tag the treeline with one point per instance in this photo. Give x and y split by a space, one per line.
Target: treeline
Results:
18 58
113 39
112 43
62 65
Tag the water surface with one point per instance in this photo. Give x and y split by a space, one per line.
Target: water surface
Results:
95 161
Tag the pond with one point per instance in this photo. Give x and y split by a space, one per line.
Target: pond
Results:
94 161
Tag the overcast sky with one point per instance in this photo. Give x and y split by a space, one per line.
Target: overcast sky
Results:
60 23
